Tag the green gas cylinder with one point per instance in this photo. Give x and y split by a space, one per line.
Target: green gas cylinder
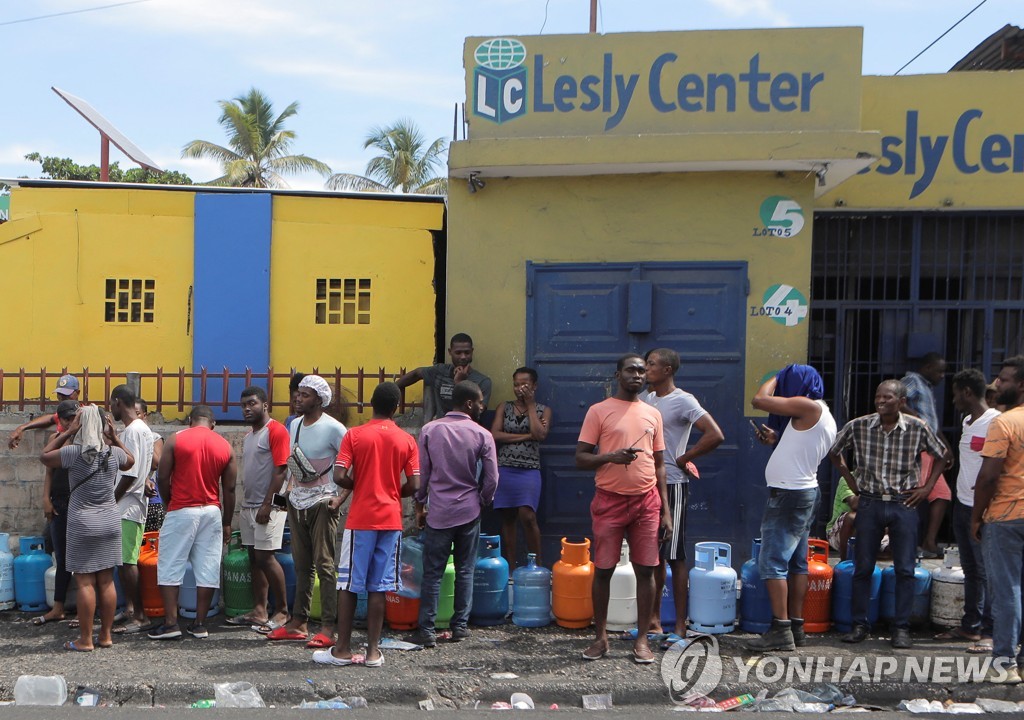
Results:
238 598
446 599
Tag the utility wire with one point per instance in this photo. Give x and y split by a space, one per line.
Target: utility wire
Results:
72 12
940 37
545 17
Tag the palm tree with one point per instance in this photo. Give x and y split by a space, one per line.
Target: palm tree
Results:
258 154
406 164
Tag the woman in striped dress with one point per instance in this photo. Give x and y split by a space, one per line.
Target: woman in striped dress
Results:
92 454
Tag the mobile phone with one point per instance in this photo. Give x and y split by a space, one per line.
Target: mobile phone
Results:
280 501
757 431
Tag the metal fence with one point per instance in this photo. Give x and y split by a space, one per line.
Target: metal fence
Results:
174 391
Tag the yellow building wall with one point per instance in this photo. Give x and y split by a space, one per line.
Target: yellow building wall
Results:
624 218
54 284
387 242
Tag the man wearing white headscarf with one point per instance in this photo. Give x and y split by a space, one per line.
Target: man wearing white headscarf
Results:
313 511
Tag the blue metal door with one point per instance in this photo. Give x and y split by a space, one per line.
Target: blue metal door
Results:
582 317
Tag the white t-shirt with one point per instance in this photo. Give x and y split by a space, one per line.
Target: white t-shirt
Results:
679 411
320 443
138 439
972 440
794 462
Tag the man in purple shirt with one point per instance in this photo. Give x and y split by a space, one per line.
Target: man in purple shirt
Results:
458 476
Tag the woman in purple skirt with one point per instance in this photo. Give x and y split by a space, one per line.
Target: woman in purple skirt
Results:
519 428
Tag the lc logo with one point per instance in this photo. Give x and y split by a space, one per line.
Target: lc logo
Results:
499 81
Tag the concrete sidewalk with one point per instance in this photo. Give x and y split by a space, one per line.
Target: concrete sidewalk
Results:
141 672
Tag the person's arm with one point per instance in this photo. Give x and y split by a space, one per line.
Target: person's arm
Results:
163 473
227 486
40 423
804 411
410 378
411 484
485 389
489 475
665 526
498 431
835 454
48 511
421 495
344 477
154 464
711 437
276 483
50 456
412 470
984 491
587 459
538 425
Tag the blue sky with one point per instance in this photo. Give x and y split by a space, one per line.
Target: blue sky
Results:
156 69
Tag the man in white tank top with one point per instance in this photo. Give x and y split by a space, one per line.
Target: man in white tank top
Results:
806 432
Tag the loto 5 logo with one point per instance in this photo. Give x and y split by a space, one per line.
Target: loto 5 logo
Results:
499 81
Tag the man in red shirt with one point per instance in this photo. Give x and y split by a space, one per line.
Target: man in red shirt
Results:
197 525
372 460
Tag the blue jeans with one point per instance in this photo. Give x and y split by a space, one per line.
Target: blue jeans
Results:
785 527
977 600
874 515
1003 546
437 546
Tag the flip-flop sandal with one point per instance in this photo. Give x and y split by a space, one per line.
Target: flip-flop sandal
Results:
128 629
669 640
70 645
326 657
243 620
593 657
74 624
957 635
319 641
642 660
283 633
379 662
42 620
982 647
265 628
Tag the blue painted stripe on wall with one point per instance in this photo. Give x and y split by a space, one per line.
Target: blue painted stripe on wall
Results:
231 298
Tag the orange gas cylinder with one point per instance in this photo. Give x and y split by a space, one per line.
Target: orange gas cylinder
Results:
401 612
818 602
152 600
572 578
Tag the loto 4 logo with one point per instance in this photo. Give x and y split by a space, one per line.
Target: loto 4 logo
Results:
499 81
691 667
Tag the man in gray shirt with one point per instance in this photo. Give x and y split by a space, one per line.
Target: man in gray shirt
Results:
680 413
439 380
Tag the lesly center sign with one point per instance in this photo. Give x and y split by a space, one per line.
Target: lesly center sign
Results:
722 81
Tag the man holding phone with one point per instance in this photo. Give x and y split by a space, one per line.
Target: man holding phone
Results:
265 453
631 499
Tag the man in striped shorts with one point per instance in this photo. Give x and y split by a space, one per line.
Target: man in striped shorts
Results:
680 413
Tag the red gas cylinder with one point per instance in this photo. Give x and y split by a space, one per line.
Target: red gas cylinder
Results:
402 613
818 602
152 600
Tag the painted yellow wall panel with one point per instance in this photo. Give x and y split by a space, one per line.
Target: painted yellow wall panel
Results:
360 240
948 141
635 218
164 203
663 82
57 277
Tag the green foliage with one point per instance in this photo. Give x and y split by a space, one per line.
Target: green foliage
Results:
55 168
259 146
406 163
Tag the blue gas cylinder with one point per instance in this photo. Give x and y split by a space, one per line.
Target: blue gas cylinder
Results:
490 584
6 573
668 601
188 597
755 607
30 574
284 557
712 601
842 592
531 605
921 607
411 567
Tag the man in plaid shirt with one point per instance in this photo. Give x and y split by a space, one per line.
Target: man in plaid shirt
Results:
886 448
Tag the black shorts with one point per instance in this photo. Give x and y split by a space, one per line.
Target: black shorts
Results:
674 548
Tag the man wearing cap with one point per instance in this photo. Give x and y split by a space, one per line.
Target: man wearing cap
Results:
313 510
67 389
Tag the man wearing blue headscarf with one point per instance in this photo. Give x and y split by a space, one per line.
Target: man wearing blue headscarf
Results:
801 442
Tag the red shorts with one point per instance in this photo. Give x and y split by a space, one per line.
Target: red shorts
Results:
635 517
941 489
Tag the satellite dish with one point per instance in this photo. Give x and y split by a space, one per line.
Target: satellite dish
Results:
108 134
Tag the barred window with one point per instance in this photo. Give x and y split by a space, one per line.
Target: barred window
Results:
129 300
343 301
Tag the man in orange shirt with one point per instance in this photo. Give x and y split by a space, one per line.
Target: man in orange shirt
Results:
631 499
997 519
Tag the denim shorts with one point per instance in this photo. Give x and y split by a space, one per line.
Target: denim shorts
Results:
784 531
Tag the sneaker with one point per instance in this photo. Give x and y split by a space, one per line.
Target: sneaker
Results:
198 631
424 638
999 675
164 632
459 633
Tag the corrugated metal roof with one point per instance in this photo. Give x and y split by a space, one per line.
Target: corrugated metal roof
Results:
1002 50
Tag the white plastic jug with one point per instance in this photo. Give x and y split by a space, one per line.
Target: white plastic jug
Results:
40 690
622 594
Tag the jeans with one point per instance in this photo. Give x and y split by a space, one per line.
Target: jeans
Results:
874 515
977 600
437 546
784 531
1003 546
